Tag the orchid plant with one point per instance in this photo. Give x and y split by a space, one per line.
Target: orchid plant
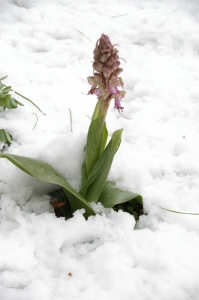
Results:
105 84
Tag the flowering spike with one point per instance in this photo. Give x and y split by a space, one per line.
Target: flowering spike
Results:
105 82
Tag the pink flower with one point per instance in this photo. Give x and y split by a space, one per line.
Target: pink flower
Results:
105 82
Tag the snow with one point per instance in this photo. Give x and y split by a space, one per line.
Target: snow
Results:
48 60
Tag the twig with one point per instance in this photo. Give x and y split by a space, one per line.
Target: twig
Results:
119 16
71 121
178 212
36 120
83 35
28 100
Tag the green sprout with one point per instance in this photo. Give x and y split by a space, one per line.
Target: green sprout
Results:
8 102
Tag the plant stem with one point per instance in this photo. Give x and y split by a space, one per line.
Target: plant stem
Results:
29 101
83 35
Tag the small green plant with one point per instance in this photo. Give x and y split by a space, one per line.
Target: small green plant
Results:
105 84
8 102
6 138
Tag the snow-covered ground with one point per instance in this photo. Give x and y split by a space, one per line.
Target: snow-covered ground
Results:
48 60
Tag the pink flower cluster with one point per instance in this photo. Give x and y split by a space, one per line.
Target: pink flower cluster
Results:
105 81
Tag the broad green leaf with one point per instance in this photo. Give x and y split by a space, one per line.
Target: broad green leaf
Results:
2 86
9 137
74 201
2 103
4 77
97 179
18 102
93 144
83 174
11 103
46 173
5 136
112 196
101 163
4 100
97 111
6 90
2 95
105 137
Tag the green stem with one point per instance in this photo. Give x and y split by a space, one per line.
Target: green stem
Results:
179 212
29 101
83 35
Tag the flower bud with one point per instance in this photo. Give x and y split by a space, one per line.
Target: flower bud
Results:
115 66
117 72
96 54
97 66
98 78
103 58
116 56
106 72
111 61
91 80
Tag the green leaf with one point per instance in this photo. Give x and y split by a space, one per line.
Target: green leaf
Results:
46 173
6 90
2 95
98 111
2 86
5 137
105 137
4 77
11 103
2 103
9 137
112 196
83 174
97 178
93 144
18 102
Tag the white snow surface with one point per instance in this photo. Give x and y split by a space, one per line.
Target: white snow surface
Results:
48 61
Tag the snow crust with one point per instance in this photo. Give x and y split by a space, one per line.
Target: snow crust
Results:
48 60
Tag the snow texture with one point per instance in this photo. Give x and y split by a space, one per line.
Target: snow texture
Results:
48 60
